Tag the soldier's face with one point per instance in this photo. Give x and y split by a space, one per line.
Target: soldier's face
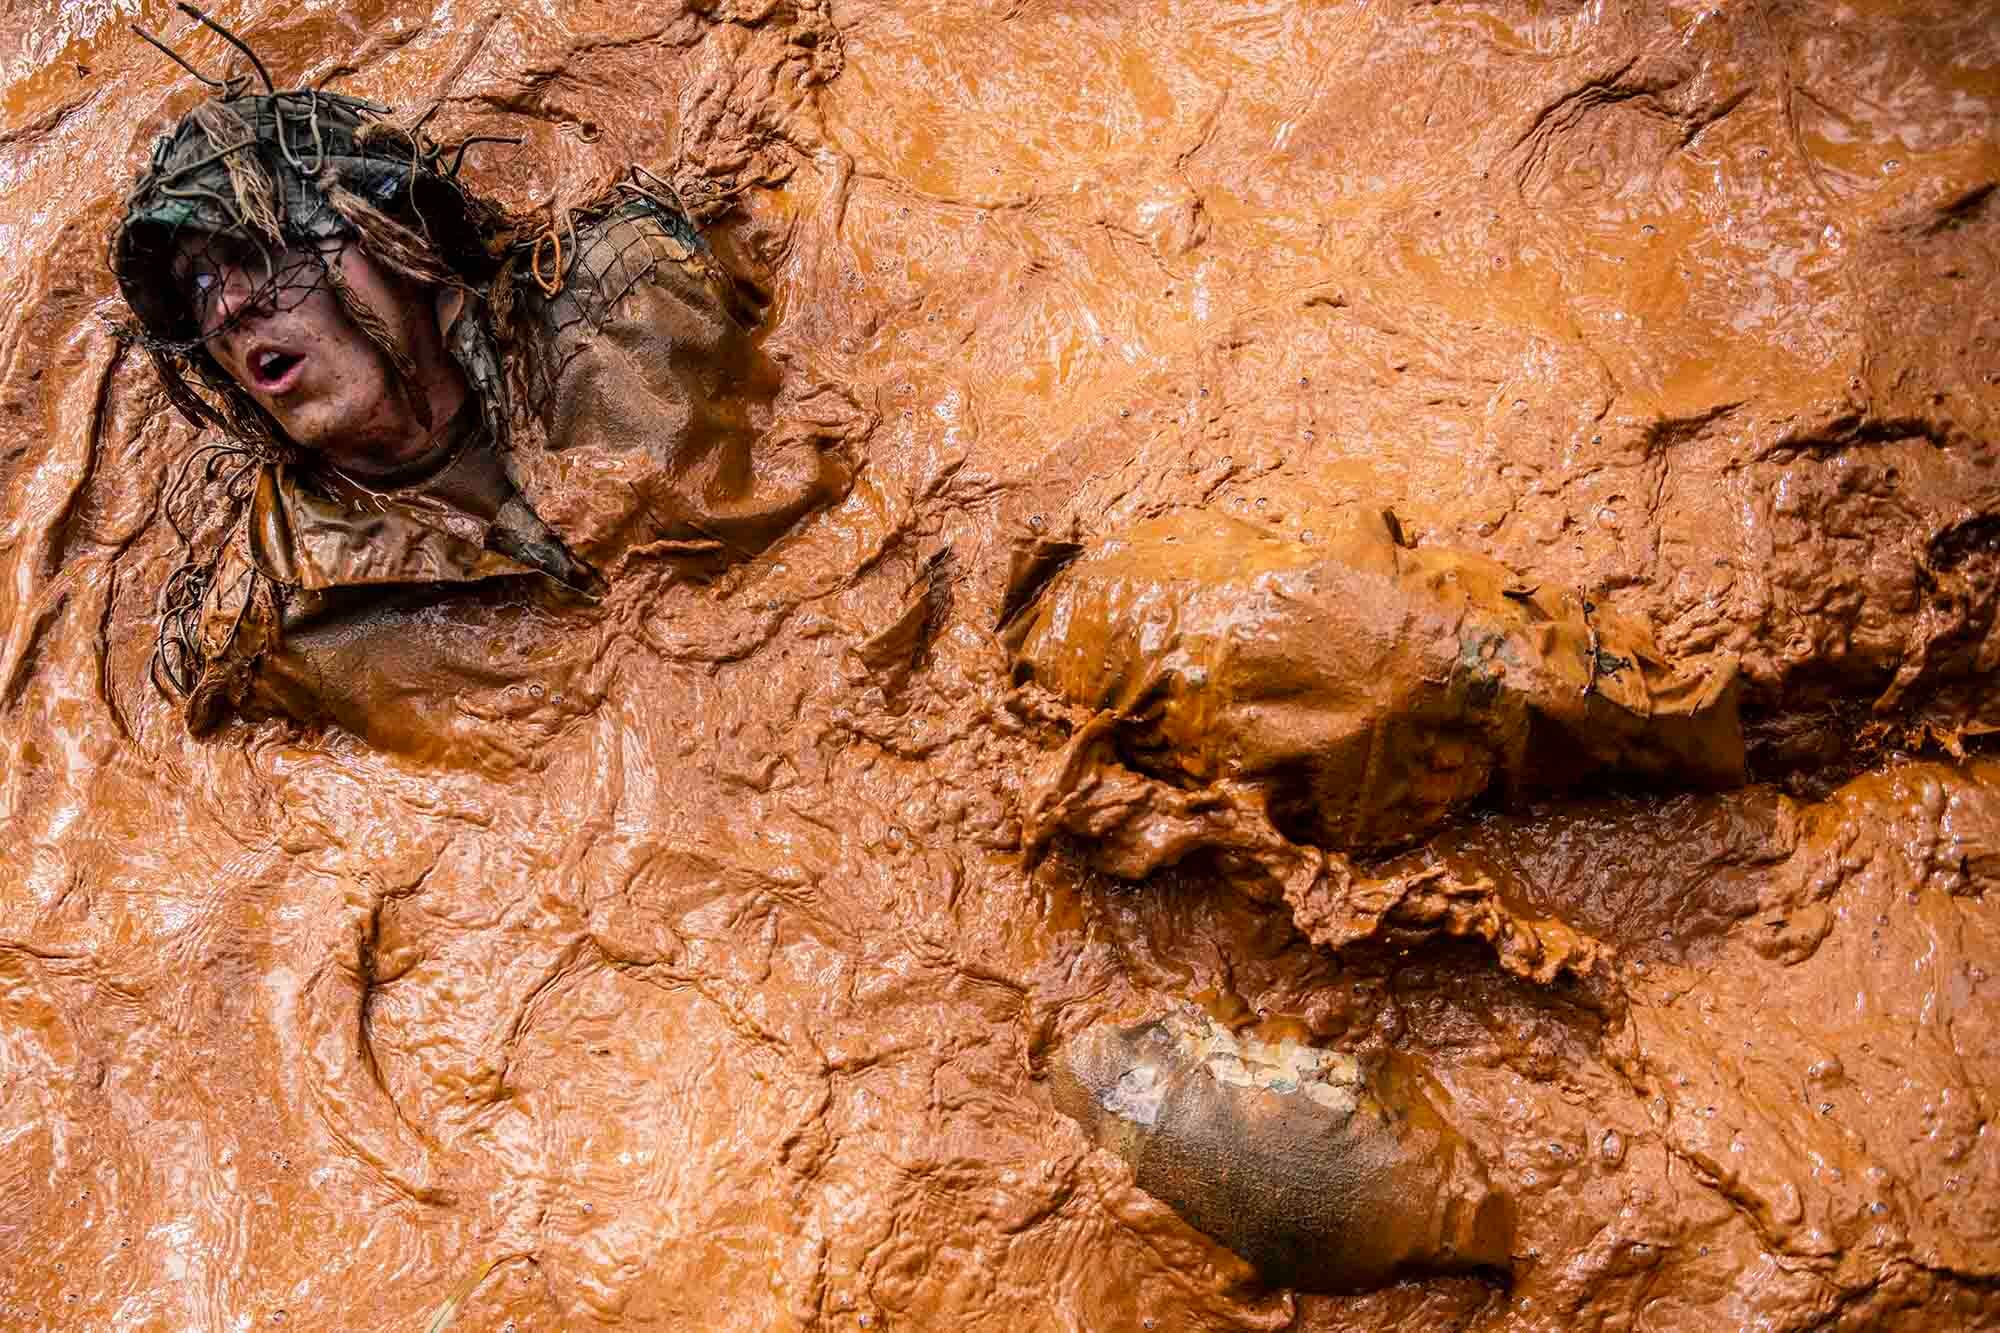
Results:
277 327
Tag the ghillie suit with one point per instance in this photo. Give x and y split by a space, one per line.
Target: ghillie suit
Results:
615 396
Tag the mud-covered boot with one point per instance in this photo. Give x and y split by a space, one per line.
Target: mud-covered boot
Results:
1323 1175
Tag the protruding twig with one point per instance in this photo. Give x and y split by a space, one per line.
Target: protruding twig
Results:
337 72
179 59
234 41
640 174
458 158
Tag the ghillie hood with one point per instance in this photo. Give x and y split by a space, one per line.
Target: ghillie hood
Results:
289 178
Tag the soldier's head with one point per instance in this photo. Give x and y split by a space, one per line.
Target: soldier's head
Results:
289 257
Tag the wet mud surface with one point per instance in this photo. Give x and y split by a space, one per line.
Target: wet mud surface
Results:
688 965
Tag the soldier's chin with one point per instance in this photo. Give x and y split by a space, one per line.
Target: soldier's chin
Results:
318 425
310 435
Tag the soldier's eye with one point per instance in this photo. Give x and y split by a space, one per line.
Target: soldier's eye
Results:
200 285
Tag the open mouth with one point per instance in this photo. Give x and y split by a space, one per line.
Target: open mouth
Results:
273 371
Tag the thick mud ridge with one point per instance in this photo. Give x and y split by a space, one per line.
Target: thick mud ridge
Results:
707 961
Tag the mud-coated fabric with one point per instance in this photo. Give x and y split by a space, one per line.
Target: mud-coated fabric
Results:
647 422
655 405
312 549
1367 691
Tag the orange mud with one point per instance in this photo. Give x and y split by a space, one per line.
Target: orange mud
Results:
685 970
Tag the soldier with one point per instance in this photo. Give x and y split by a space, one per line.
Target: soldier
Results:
421 395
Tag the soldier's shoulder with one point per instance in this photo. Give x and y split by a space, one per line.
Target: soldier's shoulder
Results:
580 267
